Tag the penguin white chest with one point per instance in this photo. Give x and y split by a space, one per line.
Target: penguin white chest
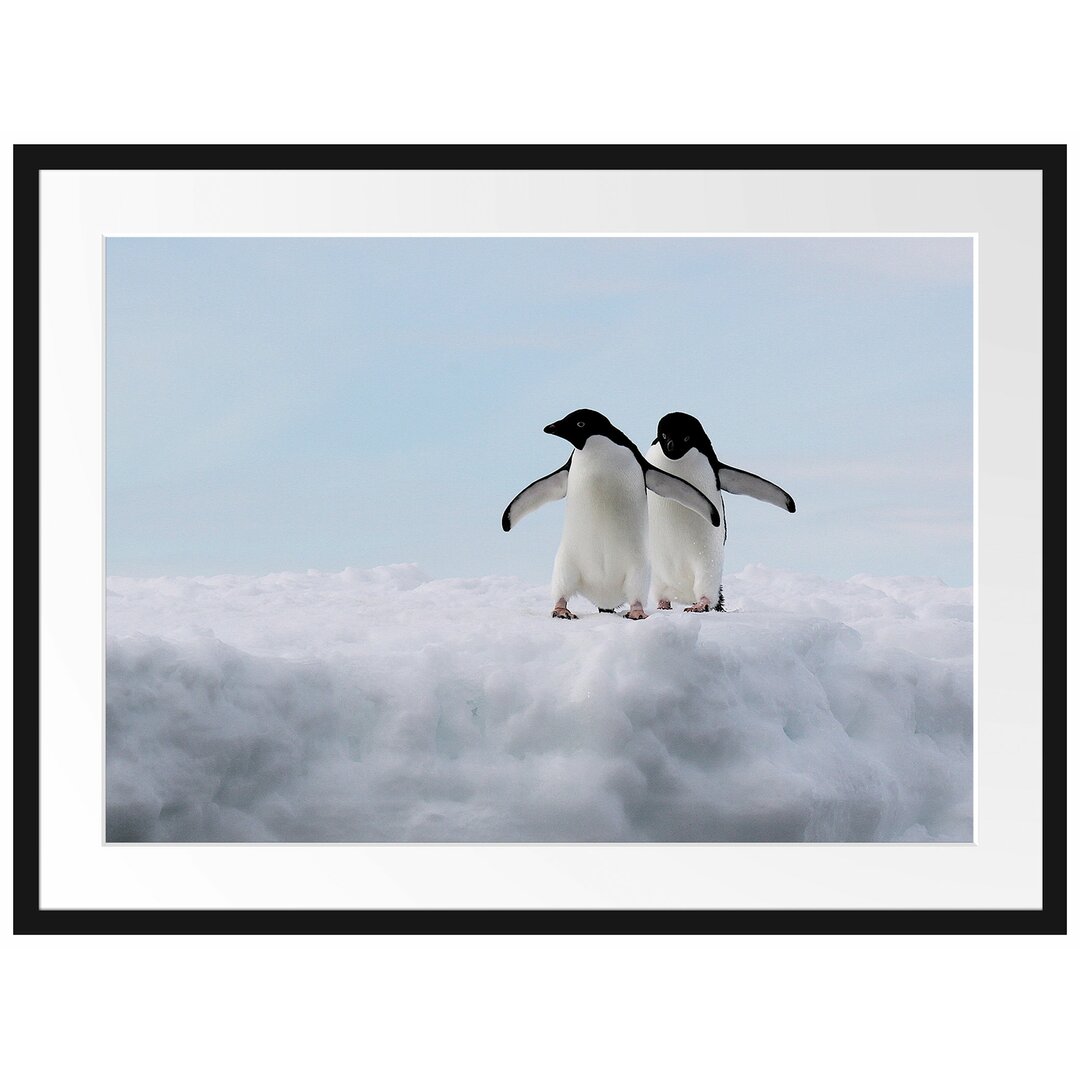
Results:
687 553
604 550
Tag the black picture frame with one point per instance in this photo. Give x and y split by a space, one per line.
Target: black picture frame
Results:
31 160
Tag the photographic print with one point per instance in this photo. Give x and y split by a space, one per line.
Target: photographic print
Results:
351 479
538 539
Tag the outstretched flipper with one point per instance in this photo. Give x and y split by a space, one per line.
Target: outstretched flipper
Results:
547 489
745 483
671 487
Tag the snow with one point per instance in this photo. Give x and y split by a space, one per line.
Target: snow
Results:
380 705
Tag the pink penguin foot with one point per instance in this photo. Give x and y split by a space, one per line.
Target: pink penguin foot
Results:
636 611
663 605
701 605
561 611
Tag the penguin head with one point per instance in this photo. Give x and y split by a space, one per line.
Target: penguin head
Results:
679 432
576 427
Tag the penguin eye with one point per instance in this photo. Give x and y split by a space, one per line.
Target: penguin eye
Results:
662 435
687 439
581 423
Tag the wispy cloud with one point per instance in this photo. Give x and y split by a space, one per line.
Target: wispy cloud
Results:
942 467
926 523
480 339
618 286
912 260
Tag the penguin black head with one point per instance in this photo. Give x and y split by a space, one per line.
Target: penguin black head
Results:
679 432
576 427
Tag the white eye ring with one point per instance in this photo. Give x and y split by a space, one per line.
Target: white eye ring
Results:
581 423
662 435
687 439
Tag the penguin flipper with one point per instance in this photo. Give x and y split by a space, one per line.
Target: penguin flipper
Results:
547 489
738 482
671 487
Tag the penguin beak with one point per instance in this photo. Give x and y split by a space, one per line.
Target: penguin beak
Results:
671 444
550 430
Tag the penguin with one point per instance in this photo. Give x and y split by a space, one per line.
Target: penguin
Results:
688 559
604 550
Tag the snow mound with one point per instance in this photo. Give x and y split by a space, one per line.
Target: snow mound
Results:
379 705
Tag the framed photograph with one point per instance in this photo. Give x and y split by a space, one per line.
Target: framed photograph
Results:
537 539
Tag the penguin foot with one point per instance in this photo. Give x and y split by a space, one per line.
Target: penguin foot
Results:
702 605
562 612
636 612
663 605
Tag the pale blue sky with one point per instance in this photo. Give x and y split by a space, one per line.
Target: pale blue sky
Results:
286 404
